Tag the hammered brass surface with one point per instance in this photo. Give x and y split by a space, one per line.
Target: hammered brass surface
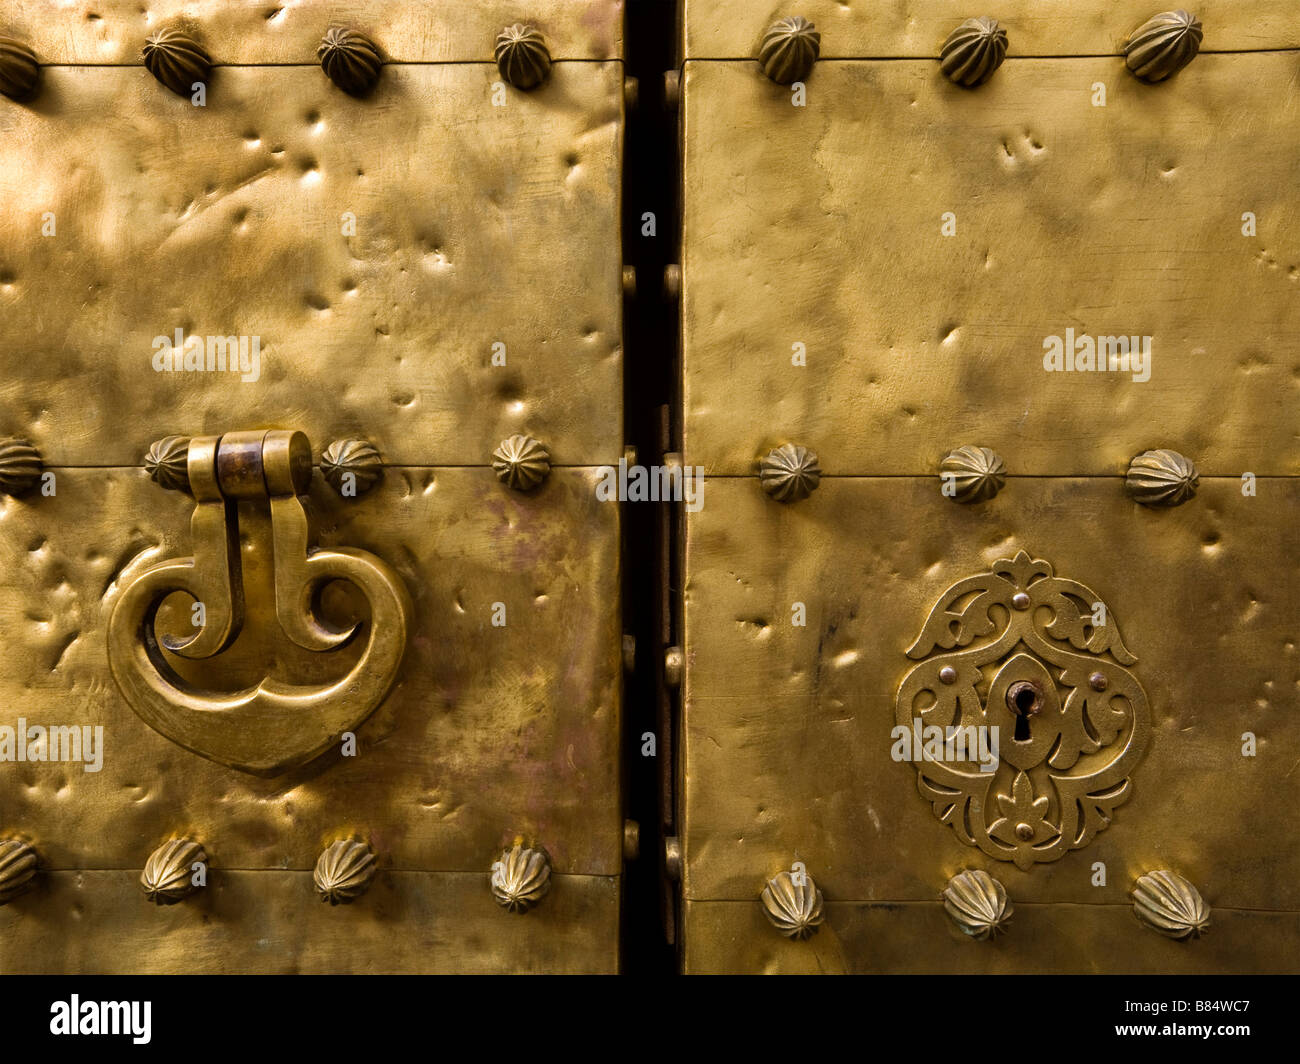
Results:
273 922
918 938
489 733
787 730
288 31
475 225
729 29
822 226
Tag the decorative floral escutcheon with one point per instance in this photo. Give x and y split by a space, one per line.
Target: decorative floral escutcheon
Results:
1040 659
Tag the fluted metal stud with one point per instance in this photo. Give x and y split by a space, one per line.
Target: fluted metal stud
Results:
1163 45
176 60
350 59
167 463
790 472
20 73
344 871
973 51
1167 903
20 467
789 50
974 473
793 904
351 467
1162 478
977 903
168 875
521 462
18 863
522 56
521 878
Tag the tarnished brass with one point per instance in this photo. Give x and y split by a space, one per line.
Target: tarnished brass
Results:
344 871
522 56
1162 478
793 903
177 60
973 51
972 474
521 879
350 60
521 462
20 467
17 868
790 472
1170 905
789 50
978 904
169 873
274 725
19 71
1163 45
351 467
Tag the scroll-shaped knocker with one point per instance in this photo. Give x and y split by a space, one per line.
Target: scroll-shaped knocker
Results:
274 726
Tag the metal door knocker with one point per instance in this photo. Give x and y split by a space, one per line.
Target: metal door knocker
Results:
273 726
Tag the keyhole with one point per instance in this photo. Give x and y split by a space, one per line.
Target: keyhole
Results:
1024 699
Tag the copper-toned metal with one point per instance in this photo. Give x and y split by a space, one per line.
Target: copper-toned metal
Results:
350 59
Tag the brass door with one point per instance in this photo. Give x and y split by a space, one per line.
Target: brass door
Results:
991 363
383 241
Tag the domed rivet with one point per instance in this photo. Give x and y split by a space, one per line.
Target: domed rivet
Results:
1162 478
19 71
789 50
790 472
1163 45
522 56
948 674
20 467
351 467
973 51
344 871
977 904
170 874
350 59
1168 904
176 60
167 463
1020 600
521 462
793 903
971 474
521 878
18 861
1024 832
1098 682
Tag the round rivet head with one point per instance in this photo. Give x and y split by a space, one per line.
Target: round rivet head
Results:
972 474
521 462
1098 682
168 875
790 472
789 50
1163 45
978 904
948 674
344 871
522 56
20 467
521 878
793 904
350 59
973 51
1024 832
167 463
19 71
351 467
1162 478
1020 600
176 60
1168 904
17 868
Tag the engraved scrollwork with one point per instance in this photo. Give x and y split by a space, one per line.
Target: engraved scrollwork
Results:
1034 666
